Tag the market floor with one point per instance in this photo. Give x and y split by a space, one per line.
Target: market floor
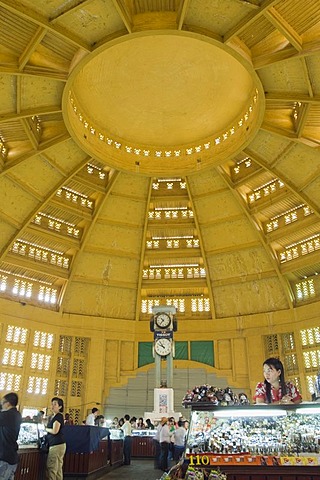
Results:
141 469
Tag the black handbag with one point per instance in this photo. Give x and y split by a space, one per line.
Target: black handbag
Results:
43 444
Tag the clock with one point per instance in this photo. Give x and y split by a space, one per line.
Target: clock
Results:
163 346
162 320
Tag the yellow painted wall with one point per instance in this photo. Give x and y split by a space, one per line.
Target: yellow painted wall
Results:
112 356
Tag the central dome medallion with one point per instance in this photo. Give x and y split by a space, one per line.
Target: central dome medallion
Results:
163 102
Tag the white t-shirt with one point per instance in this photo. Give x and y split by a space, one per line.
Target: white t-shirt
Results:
90 419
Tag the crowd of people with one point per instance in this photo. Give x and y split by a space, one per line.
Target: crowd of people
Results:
169 439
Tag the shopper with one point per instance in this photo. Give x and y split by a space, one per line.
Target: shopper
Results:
126 428
10 421
179 438
164 444
56 441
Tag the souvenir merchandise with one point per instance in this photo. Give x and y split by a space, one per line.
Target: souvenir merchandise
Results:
214 395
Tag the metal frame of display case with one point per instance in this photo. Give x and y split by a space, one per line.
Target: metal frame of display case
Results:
237 424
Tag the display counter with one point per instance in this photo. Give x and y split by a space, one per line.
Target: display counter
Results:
91 452
258 441
142 443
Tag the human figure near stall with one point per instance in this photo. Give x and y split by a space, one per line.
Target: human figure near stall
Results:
90 420
275 389
179 439
56 440
10 421
164 443
157 448
127 442
149 424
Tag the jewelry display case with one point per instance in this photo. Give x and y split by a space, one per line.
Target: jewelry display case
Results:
30 465
269 440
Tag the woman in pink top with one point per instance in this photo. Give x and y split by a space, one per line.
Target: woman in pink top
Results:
275 389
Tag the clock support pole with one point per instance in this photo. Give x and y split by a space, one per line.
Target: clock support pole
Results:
169 372
163 324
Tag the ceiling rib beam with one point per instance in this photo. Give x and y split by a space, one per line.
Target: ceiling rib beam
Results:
11 117
18 95
302 197
183 7
43 202
307 76
30 133
287 31
309 180
243 205
247 21
270 58
33 72
25 187
124 14
81 4
282 154
86 235
290 97
302 119
35 41
42 148
290 136
21 11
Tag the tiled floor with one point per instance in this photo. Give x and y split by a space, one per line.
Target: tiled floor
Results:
138 470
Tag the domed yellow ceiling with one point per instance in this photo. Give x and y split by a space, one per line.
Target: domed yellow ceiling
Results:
160 150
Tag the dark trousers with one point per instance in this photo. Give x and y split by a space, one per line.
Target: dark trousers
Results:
127 450
178 451
157 454
164 455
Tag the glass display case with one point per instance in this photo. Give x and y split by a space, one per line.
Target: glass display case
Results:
29 434
116 434
257 435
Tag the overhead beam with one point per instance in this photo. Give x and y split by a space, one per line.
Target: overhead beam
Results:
33 153
28 51
22 11
302 197
249 20
124 14
28 128
293 137
33 71
290 97
31 112
42 203
87 232
285 284
183 7
283 26
67 11
289 52
307 76
302 118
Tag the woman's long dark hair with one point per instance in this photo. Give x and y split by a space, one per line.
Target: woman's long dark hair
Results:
277 365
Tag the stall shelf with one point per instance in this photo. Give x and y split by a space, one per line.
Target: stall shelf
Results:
91 452
256 442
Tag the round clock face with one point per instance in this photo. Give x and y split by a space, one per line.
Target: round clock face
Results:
163 346
163 320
